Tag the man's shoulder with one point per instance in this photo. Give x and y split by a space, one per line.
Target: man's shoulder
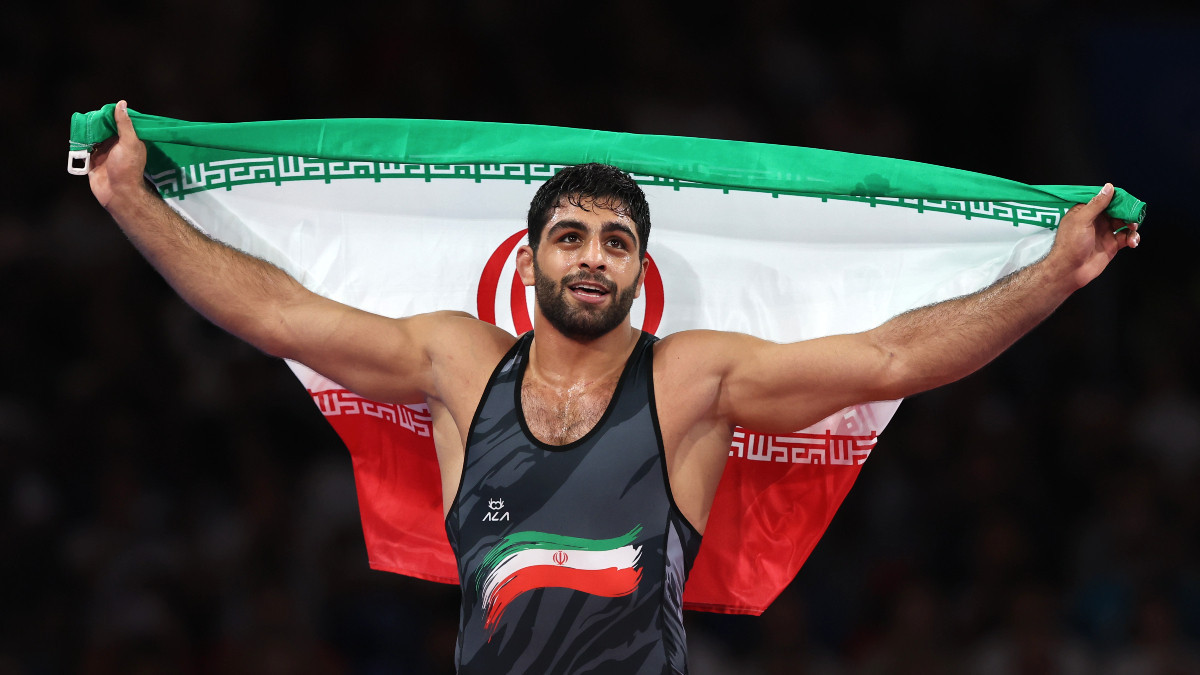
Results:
462 352
689 368
693 353
463 336
698 344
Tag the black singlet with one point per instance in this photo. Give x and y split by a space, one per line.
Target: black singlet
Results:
572 558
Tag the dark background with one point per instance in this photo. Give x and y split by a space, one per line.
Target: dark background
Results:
171 501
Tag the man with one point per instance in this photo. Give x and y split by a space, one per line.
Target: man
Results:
579 462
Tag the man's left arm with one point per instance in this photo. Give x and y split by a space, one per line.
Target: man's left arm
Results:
774 387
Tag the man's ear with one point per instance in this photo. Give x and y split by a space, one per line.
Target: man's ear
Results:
642 278
525 264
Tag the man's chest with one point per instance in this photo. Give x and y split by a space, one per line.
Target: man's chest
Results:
562 415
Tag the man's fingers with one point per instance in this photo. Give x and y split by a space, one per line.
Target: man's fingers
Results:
1126 234
1097 204
124 124
1132 236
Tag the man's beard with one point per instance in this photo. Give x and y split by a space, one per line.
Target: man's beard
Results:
584 323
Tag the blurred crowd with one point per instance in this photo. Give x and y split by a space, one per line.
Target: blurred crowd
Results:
172 502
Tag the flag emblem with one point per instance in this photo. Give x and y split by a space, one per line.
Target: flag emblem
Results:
526 561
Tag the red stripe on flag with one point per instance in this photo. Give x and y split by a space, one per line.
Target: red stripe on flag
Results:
520 308
654 297
489 283
608 583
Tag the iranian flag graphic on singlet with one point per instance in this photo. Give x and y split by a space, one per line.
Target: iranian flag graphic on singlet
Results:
525 561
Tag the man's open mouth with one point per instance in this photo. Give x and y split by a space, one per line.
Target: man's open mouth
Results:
589 289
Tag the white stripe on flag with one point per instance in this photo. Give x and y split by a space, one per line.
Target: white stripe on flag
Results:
620 558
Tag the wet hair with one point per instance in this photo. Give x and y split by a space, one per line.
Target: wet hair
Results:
605 186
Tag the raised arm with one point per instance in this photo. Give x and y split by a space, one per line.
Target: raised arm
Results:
381 358
773 387
941 343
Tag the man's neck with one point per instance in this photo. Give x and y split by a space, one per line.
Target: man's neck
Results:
559 360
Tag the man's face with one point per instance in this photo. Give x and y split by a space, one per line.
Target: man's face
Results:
587 271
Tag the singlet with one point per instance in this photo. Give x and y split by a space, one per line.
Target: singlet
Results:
571 558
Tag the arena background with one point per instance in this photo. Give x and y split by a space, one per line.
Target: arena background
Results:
1039 517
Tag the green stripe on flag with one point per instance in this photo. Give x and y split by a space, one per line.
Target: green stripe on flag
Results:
732 165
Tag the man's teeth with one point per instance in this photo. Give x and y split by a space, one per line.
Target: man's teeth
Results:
593 290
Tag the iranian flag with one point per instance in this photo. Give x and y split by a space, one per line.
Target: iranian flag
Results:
526 561
401 217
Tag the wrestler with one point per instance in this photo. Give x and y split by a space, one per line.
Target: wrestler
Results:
601 446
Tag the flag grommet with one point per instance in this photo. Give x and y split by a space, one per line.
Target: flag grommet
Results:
78 162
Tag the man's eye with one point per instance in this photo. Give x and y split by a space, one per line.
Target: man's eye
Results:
570 238
616 243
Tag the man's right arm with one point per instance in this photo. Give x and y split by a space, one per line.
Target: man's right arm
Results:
374 356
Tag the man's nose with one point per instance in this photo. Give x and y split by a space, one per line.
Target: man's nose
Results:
593 254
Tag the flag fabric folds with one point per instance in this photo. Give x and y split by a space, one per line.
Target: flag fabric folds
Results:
401 217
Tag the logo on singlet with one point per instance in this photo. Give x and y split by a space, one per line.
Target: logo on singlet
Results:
496 514
529 560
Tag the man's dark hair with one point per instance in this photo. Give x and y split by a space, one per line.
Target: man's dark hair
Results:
604 186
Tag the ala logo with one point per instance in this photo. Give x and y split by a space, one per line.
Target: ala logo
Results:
495 514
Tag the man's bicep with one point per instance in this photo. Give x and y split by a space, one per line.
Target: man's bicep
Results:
785 387
377 357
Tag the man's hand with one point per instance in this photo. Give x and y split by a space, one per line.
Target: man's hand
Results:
1088 238
118 164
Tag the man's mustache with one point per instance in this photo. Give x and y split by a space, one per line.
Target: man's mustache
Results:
585 277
